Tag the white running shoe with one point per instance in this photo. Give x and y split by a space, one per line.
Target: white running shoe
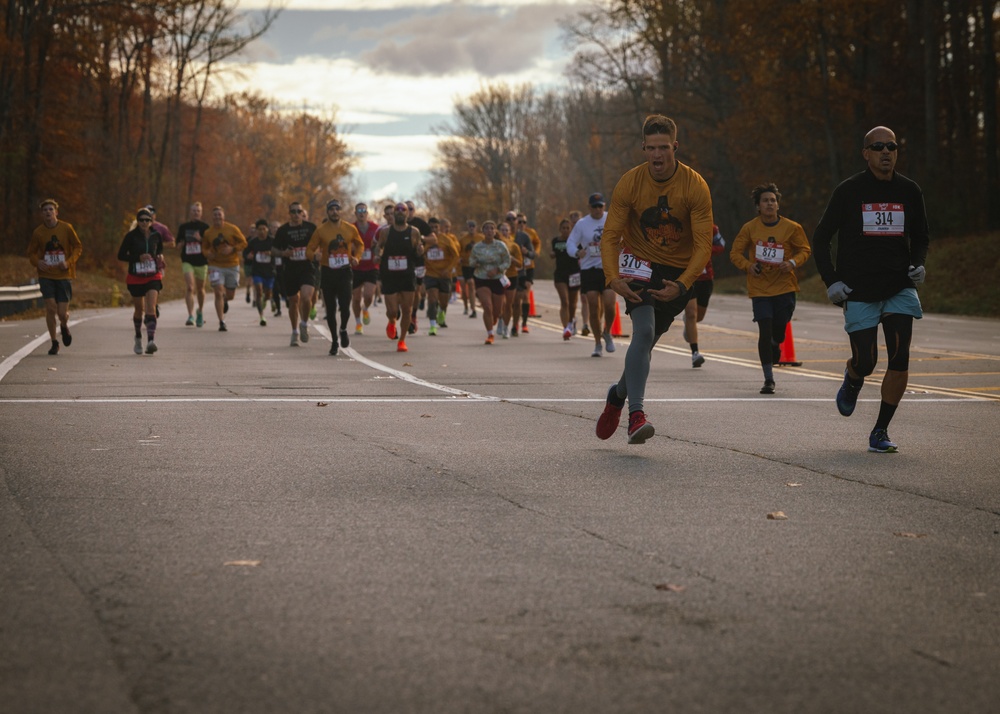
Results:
697 360
609 343
304 331
597 350
137 347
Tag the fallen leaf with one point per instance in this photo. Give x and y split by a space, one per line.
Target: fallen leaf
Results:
407 364
53 369
903 534
777 516
425 416
243 563
322 404
793 485
670 587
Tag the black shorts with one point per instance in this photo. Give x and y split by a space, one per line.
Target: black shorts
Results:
592 280
529 274
442 285
563 277
468 272
402 281
140 289
522 281
58 290
297 274
365 276
665 312
492 284
701 291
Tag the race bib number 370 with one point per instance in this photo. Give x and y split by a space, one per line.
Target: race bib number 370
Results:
631 267
883 219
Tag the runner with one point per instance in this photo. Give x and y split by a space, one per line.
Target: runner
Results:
510 281
261 262
419 269
341 250
54 249
697 305
489 260
440 258
584 242
277 294
769 249
574 218
566 278
529 266
468 239
290 243
365 272
397 246
142 250
194 265
222 245
657 240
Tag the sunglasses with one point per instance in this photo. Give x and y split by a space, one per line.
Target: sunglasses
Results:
145 220
879 145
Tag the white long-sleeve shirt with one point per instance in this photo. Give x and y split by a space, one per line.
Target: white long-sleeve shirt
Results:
586 234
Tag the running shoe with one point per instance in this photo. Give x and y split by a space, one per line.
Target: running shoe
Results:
597 350
878 441
190 322
54 349
66 337
222 327
401 346
412 329
567 333
432 331
304 332
263 321
638 428
151 348
365 317
607 423
524 329
345 339
847 396
390 330
472 314
199 319
295 340
359 330
440 316
248 296
585 331
136 347
489 340
465 310
312 313
697 360
609 344
225 306
513 330
768 387
333 348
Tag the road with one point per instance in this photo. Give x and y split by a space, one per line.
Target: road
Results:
234 525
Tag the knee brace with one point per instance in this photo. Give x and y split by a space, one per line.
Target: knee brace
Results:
898 330
864 351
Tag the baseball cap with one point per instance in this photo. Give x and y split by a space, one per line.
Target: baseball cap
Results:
143 213
151 208
332 203
596 199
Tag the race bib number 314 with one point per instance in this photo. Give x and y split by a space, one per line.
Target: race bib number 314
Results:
883 219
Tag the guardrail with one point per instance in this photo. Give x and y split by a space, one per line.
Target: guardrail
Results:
18 298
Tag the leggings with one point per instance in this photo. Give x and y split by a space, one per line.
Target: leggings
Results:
898 330
644 336
770 335
337 286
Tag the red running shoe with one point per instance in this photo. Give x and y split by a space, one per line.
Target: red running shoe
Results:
607 423
638 428
401 347
390 330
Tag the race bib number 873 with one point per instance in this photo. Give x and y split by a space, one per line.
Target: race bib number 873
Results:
883 219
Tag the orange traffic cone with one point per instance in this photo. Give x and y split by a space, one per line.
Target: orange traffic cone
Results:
616 326
531 304
788 349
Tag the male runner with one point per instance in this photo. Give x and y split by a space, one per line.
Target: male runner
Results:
297 269
53 249
396 247
259 252
365 272
194 264
341 249
222 244
585 244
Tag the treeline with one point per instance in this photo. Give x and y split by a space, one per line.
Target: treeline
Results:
761 91
108 105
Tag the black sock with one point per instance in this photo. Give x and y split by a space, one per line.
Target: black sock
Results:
885 414
694 347
137 321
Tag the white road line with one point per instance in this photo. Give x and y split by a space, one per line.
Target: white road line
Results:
11 362
446 400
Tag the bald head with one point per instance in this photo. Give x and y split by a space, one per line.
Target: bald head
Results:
879 133
880 152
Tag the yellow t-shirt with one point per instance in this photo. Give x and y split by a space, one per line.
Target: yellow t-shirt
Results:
339 242
465 244
217 236
758 242
440 259
667 222
56 245
516 258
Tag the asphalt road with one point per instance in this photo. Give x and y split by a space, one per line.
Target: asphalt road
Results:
234 525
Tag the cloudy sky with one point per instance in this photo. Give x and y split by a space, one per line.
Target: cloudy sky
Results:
391 70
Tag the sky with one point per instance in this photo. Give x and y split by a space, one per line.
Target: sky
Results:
390 71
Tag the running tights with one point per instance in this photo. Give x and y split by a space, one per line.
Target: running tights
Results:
770 335
633 380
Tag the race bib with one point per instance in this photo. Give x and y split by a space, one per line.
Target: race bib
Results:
367 255
192 248
435 254
771 253
145 267
631 268
420 271
298 253
339 260
594 250
883 219
574 280
262 257
505 281
277 260
214 276
397 262
54 257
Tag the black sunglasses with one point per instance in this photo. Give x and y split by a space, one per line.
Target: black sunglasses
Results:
145 220
879 145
